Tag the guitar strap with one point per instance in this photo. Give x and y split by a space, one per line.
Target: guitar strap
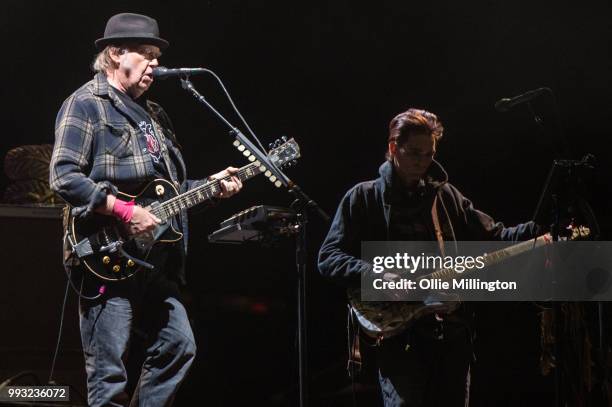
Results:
172 170
164 150
354 360
436 223
69 259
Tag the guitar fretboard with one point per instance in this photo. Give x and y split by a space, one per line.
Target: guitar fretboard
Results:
494 257
201 193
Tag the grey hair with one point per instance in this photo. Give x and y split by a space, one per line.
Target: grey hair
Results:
103 61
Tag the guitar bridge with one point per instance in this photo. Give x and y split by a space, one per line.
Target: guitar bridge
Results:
111 247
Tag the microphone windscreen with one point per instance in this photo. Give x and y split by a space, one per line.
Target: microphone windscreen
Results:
502 105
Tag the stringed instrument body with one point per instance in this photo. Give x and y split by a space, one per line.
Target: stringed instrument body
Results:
104 231
388 318
105 248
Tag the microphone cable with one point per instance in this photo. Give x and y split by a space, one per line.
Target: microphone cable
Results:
79 293
251 132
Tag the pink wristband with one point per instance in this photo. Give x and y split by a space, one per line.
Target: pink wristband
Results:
123 210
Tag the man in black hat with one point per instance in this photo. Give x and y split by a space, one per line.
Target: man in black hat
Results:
109 138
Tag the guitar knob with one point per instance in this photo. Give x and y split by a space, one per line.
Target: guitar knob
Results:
116 268
130 263
105 259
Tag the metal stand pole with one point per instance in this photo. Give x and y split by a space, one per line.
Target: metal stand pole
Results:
300 254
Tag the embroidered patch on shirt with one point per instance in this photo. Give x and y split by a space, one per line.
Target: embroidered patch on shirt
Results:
152 142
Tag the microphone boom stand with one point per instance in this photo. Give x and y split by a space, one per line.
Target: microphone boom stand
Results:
564 173
301 204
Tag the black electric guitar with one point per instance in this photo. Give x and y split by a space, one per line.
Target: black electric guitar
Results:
102 244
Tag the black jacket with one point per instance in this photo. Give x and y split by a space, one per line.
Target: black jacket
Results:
364 215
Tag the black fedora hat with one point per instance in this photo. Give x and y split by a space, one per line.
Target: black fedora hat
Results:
127 27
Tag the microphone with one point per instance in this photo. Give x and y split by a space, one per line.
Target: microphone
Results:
161 72
505 104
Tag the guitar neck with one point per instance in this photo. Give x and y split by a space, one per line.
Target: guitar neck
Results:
201 193
495 257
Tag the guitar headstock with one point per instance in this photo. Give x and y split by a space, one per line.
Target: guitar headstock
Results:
283 153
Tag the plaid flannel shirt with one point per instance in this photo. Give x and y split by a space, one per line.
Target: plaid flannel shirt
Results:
99 147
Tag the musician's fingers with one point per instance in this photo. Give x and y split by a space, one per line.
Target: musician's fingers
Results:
220 175
230 188
238 183
225 189
231 170
153 218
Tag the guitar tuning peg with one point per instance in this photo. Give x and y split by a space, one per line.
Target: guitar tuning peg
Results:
284 138
271 145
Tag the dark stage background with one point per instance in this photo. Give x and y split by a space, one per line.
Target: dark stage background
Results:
332 75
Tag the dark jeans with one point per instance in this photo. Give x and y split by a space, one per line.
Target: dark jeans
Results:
145 309
427 366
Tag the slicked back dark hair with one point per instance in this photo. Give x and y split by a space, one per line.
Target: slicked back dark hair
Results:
414 121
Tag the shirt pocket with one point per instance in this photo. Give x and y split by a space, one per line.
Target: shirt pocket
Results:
118 139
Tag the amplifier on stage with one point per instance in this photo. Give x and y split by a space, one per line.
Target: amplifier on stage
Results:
31 296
